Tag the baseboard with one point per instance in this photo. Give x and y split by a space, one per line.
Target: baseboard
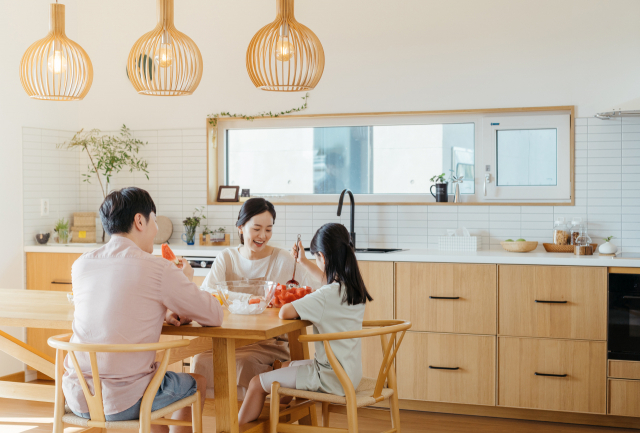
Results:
15 377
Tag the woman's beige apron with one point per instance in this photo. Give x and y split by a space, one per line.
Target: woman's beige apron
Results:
251 360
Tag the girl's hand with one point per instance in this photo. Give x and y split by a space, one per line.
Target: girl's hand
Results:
300 258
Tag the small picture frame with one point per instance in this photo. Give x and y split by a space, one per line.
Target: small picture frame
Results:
245 193
228 193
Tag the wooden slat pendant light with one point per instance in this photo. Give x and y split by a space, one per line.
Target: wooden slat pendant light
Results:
285 56
164 61
56 68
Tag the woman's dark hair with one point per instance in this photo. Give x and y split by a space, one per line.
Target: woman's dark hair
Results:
341 266
252 207
119 209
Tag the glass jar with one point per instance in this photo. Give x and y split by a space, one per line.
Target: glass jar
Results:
576 229
560 232
583 245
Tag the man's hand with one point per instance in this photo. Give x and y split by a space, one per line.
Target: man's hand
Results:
173 319
186 268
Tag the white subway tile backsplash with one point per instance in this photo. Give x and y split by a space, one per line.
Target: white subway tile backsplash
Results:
607 168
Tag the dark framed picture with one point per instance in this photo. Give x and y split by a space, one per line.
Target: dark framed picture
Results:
245 193
228 193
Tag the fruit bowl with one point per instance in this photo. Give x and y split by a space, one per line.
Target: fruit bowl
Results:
519 246
246 296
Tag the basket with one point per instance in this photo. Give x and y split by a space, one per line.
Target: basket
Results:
459 243
84 219
519 247
236 295
553 248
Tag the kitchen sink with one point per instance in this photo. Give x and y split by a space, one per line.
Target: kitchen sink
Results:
373 250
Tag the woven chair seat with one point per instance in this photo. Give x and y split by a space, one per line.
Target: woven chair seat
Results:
71 418
364 394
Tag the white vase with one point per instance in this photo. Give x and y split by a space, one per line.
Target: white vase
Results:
607 248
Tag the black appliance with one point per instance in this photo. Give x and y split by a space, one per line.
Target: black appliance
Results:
624 317
200 262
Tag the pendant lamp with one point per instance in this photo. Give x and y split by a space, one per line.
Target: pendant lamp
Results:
285 56
164 61
56 68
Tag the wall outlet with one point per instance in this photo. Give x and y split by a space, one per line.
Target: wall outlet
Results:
44 207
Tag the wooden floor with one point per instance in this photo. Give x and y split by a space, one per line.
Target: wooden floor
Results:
17 416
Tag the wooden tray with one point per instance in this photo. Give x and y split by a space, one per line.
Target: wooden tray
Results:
205 240
553 248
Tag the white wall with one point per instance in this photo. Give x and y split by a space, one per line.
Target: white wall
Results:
380 56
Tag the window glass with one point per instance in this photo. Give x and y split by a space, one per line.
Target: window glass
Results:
527 157
394 159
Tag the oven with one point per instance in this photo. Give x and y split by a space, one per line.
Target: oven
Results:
201 265
624 317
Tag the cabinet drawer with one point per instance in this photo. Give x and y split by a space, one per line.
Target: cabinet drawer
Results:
447 368
624 397
553 301
624 369
50 271
422 290
564 375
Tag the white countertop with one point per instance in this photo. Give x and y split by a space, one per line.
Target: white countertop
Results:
537 257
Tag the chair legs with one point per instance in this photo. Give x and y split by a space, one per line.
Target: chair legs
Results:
352 416
394 411
274 416
325 414
196 414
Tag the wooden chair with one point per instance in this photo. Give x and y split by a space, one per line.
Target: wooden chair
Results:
369 391
96 408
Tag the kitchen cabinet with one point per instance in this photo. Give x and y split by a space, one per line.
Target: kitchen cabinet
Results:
552 374
447 368
624 397
48 271
624 369
447 297
553 301
378 277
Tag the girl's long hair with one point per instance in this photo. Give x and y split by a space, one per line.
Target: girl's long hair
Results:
341 266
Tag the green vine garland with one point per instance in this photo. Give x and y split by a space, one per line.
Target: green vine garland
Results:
213 118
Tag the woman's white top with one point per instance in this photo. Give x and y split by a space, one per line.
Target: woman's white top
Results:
325 309
230 265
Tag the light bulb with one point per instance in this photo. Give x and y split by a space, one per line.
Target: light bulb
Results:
165 56
57 63
284 49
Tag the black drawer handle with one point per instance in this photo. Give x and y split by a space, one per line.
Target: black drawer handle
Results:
443 368
550 302
444 297
60 282
631 297
550 375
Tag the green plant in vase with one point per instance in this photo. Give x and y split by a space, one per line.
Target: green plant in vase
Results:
62 228
191 224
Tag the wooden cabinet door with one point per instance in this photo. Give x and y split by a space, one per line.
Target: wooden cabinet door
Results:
624 369
48 271
422 290
525 366
553 301
378 277
624 397
447 368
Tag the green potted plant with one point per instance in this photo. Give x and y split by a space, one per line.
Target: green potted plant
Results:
108 155
441 186
62 228
191 224
607 247
218 235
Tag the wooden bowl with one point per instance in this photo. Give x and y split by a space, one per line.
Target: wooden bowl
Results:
519 247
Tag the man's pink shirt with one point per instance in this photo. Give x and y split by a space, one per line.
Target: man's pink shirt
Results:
121 295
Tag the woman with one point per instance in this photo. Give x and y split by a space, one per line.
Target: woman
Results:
252 259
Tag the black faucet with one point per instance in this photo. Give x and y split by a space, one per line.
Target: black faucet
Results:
353 208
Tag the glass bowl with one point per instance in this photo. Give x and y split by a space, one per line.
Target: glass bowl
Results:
246 296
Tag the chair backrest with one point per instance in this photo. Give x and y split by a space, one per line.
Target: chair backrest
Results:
383 328
94 401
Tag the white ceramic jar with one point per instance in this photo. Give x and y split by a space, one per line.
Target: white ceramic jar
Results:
607 248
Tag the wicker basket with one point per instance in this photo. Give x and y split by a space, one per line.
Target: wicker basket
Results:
553 248
519 247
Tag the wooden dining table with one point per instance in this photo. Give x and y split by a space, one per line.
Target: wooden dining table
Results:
52 310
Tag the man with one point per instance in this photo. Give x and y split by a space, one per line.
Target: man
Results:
122 294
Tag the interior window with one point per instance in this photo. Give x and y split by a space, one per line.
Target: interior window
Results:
527 157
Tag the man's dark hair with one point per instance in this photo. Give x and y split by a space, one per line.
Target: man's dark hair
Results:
119 208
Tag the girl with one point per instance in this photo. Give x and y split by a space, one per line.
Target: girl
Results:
338 306
254 258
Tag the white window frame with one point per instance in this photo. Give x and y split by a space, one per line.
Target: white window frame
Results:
217 157
559 192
